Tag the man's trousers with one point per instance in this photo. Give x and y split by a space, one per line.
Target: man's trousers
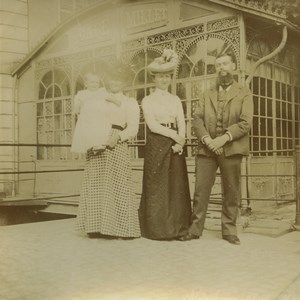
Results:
206 168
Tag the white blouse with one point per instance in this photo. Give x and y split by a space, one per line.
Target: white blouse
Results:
127 115
163 107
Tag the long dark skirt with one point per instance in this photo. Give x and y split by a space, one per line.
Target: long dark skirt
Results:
165 207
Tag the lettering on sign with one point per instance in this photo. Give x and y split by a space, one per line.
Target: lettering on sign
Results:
145 17
97 29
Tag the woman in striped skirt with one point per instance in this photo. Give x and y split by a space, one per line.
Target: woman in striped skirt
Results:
165 207
108 206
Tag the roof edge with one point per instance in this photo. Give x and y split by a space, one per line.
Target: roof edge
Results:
50 35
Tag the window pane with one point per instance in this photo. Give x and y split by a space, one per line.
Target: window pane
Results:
262 106
255 144
270 127
255 102
184 68
184 106
278 144
284 129
140 78
262 87
290 130
48 79
278 110
181 90
289 93
59 77
284 144
283 106
269 88
57 91
40 124
65 88
289 116
283 90
211 69
57 107
278 96
42 91
140 94
255 85
68 106
255 126
48 108
263 145
199 68
57 122
40 153
269 108
278 128
68 136
49 93
39 109
262 127
68 122
49 123
270 144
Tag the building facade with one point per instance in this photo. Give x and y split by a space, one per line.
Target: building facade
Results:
66 38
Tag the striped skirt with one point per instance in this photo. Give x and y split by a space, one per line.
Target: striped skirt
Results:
107 203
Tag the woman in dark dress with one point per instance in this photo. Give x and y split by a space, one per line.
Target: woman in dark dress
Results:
165 207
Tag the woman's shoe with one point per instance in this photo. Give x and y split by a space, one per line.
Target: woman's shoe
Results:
188 237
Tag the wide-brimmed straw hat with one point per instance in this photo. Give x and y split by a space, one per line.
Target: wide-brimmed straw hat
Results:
166 63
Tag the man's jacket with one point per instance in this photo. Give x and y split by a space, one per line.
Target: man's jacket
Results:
237 119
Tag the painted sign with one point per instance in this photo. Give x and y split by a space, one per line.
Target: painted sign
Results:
138 18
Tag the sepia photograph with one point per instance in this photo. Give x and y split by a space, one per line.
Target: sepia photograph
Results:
149 149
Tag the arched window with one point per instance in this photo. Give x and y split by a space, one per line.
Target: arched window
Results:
54 115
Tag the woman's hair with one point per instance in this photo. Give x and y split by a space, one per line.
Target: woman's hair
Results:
118 71
88 75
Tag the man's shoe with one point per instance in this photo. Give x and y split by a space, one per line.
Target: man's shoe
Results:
232 239
188 237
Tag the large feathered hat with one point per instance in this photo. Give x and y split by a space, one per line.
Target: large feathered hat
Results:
164 64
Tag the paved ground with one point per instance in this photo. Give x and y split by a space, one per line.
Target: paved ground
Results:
49 261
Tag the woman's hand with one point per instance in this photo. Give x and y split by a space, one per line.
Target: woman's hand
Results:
177 148
113 141
179 140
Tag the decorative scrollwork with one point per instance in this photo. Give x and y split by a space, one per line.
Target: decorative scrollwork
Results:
285 186
259 183
182 44
268 6
176 34
222 24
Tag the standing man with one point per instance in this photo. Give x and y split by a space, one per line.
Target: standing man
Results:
222 123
